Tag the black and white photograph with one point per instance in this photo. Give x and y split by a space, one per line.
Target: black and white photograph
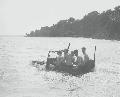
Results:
59 48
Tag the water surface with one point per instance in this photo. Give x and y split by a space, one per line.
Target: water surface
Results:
19 79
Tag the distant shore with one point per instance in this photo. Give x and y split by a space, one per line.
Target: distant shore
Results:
113 39
105 25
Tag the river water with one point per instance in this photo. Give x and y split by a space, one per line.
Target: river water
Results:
19 79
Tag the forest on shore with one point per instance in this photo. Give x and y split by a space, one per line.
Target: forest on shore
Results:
105 25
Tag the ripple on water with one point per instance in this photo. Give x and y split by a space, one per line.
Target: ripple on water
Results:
21 80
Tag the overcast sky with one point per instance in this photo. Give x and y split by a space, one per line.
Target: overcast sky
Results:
18 17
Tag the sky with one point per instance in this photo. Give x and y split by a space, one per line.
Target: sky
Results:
18 17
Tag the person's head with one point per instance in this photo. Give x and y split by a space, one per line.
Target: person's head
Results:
83 50
76 52
65 51
59 53
72 53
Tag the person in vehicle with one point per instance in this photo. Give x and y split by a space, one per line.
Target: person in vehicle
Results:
68 58
59 59
72 57
79 59
85 56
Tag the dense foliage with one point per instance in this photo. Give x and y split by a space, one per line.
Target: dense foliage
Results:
105 25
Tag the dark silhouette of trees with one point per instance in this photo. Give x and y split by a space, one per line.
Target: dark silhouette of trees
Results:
105 25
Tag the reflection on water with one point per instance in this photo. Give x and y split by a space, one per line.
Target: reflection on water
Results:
19 79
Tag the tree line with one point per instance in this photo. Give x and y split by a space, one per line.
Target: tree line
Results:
105 25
